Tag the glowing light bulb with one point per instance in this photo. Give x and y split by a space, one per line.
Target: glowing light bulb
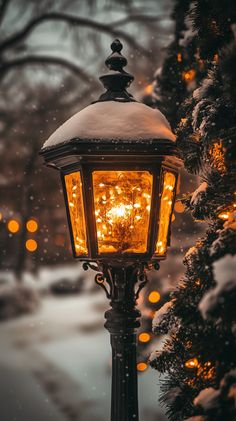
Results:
179 57
31 245
13 226
154 297
32 225
118 212
148 89
224 216
142 366
144 337
192 363
179 207
189 75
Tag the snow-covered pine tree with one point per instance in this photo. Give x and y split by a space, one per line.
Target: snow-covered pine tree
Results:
198 356
182 68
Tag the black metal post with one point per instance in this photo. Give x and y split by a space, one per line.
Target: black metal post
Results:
122 321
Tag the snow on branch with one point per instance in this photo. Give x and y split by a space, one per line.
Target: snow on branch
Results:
224 272
199 191
161 313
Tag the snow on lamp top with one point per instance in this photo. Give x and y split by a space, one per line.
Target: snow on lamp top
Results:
116 115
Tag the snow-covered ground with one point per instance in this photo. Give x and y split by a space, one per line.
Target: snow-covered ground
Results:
56 364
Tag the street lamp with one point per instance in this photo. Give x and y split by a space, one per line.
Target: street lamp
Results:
119 167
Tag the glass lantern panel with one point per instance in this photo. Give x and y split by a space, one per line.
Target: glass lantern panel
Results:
76 209
122 209
165 211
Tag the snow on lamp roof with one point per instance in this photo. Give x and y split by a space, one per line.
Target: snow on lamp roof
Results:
113 120
116 115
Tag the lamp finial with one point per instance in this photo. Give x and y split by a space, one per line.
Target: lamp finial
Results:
116 80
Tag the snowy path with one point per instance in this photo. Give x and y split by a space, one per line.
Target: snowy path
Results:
55 365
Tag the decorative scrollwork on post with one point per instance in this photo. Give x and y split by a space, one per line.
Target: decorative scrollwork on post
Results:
99 278
107 276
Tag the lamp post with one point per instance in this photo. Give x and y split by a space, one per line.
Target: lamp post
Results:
119 167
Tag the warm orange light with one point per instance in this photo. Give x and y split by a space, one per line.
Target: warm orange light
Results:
13 226
31 245
189 75
0 216
148 89
144 337
224 216
32 225
122 202
206 370
217 155
179 57
165 212
179 207
142 366
192 363
76 210
154 297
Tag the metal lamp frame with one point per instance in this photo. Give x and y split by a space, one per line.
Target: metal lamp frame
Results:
121 276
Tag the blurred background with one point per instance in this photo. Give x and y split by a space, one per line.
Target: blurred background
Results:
55 359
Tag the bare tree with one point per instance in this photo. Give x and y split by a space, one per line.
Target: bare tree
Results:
32 101
15 45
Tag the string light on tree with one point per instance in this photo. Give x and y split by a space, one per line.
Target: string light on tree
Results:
148 89
225 214
216 153
179 57
192 363
189 75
